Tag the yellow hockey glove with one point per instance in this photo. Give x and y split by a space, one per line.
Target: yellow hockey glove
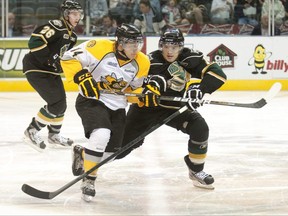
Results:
87 84
151 96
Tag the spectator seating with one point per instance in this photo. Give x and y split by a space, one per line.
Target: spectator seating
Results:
43 14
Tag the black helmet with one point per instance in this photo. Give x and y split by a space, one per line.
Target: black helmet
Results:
68 5
173 36
128 32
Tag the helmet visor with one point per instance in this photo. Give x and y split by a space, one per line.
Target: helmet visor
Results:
131 44
171 47
76 14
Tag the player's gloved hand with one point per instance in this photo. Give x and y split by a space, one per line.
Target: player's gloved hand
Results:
159 82
87 84
151 96
54 61
152 91
195 95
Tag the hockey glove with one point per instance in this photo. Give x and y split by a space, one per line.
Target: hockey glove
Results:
195 95
159 82
151 96
87 84
54 61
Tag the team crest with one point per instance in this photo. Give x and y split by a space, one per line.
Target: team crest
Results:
91 43
112 82
57 23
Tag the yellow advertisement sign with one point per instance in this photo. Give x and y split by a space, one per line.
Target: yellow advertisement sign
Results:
11 55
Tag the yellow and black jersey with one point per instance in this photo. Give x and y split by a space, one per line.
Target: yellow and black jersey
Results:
47 41
99 58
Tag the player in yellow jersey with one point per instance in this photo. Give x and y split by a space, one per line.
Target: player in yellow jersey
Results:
101 64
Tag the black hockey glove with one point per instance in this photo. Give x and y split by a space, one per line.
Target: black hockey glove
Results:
194 93
54 61
87 84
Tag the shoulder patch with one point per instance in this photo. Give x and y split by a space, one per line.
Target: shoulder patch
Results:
91 43
56 23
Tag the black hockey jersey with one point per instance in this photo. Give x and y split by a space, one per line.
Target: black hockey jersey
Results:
46 43
189 64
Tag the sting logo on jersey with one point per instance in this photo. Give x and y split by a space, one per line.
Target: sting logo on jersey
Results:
112 82
223 56
91 43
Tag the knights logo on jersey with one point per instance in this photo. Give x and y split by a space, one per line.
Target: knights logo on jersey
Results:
113 83
57 23
179 76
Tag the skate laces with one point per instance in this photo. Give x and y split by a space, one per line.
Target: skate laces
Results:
78 157
58 139
201 175
88 186
33 133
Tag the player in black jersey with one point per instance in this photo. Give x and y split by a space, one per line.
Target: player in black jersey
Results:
43 71
172 68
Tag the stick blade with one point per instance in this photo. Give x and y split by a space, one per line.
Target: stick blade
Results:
35 192
273 91
259 104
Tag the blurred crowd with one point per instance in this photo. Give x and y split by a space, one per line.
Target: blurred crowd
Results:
152 16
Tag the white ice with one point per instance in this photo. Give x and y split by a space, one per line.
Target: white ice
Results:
248 157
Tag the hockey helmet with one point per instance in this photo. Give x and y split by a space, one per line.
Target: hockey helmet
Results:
69 5
172 36
128 33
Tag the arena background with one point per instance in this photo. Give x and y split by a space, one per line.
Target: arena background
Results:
236 55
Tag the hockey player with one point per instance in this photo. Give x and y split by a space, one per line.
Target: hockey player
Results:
172 67
42 69
171 70
98 65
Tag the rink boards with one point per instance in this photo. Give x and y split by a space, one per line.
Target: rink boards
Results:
250 63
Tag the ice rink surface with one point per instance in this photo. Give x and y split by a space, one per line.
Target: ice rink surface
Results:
247 155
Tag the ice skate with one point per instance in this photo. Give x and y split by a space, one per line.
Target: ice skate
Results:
56 140
77 160
88 189
32 138
199 179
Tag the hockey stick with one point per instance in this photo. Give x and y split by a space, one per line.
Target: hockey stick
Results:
50 195
272 92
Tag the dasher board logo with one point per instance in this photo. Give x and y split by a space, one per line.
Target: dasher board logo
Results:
223 56
259 58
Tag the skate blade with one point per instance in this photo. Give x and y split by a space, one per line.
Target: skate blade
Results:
198 184
87 198
58 146
35 147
